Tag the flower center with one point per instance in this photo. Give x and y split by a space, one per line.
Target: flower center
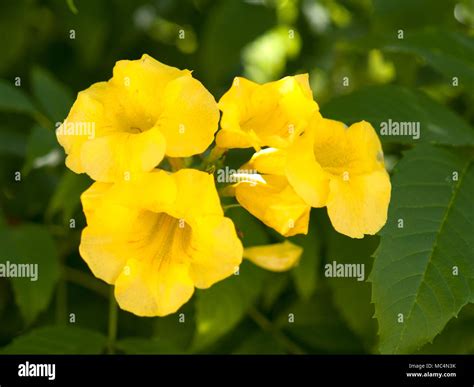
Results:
336 157
168 239
140 125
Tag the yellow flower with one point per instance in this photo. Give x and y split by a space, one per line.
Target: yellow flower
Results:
121 128
157 238
277 257
264 191
272 114
343 169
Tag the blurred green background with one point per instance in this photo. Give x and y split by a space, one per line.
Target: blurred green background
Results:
367 59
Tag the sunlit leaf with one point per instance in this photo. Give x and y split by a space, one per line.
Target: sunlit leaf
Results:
423 272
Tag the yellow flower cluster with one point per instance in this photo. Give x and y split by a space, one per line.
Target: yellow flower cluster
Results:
157 234
308 161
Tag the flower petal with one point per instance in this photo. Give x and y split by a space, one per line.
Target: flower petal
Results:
123 156
155 191
366 146
116 215
276 257
275 203
92 199
272 114
88 119
189 119
236 138
217 250
153 290
196 195
303 81
233 106
269 161
146 255
104 244
359 205
353 150
141 84
104 251
304 173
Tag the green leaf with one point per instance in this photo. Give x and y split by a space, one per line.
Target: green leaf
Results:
274 287
221 307
259 343
67 195
42 149
403 14
457 337
57 341
305 274
448 52
52 95
174 333
427 238
15 19
32 245
351 296
224 38
380 103
317 325
93 27
12 143
142 346
13 99
72 6
251 231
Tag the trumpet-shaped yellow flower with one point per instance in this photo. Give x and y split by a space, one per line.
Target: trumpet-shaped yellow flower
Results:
272 114
123 127
343 169
268 196
156 241
328 165
277 257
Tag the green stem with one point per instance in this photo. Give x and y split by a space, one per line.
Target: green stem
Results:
267 326
214 156
42 120
227 191
113 320
228 206
176 163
